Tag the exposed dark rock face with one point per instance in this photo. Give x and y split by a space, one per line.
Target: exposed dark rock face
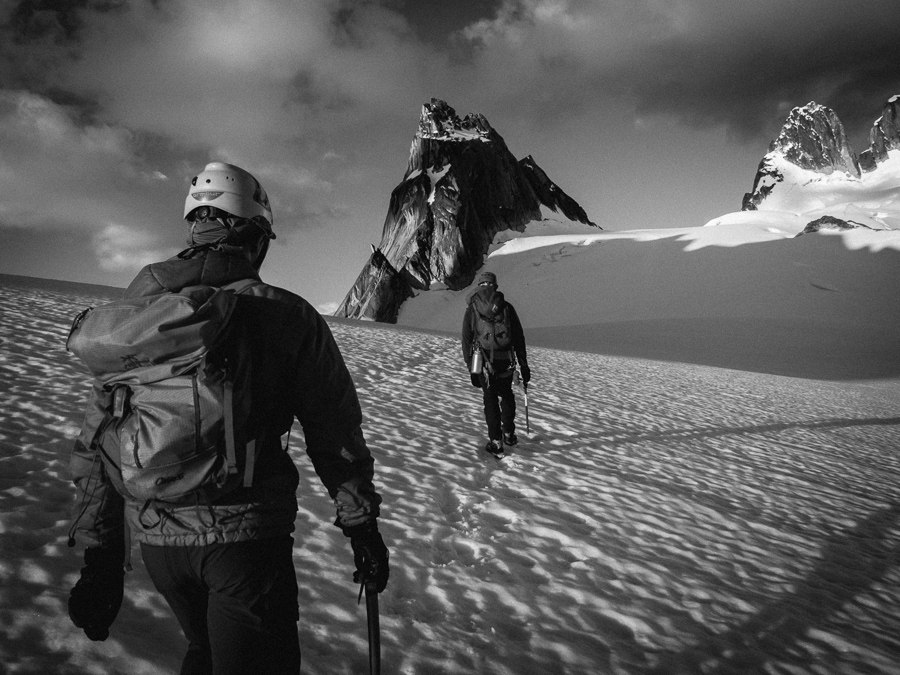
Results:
767 177
813 138
461 187
549 192
884 136
379 290
830 223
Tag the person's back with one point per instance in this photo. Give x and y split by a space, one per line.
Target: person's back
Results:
493 342
225 565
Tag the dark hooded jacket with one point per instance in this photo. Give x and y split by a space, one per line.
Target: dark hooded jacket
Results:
297 372
487 300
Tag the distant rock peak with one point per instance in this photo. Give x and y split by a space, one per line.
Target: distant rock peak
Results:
884 135
462 187
814 138
439 121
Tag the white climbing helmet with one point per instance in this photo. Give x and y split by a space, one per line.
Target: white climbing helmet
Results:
231 189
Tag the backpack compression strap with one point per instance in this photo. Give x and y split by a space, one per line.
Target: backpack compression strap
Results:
237 287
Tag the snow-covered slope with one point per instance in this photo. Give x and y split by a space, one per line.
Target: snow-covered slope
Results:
743 291
657 518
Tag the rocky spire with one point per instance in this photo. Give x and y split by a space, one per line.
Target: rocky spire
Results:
884 136
461 187
812 138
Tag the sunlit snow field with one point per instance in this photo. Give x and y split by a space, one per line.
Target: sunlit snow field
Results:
659 517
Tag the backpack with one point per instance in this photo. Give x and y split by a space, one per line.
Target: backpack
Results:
492 327
176 405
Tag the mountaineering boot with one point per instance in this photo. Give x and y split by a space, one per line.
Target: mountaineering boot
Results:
494 447
510 438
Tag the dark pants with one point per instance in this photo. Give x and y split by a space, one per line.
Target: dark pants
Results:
499 404
236 603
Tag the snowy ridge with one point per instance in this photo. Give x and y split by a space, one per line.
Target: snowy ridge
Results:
659 518
551 224
873 198
741 292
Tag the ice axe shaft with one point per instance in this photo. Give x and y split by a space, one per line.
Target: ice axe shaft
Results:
527 423
374 628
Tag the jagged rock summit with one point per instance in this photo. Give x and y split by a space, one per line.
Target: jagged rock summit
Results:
461 187
884 136
812 138
811 163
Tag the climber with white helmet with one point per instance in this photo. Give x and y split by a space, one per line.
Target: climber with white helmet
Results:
221 555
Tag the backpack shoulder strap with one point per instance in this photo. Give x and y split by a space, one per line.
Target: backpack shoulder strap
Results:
241 285
238 287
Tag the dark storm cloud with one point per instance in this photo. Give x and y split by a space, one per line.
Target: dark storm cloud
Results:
35 20
747 71
704 63
37 37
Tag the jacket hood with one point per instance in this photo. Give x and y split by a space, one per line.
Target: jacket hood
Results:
212 268
487 300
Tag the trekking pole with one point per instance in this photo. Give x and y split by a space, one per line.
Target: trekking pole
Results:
371 591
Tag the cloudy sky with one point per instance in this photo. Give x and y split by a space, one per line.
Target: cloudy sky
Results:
650 113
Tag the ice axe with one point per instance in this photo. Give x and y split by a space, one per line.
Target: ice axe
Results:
371 591
524 384
527 424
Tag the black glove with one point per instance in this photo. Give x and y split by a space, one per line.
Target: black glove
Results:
95 600
526 373
476 380
369 554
